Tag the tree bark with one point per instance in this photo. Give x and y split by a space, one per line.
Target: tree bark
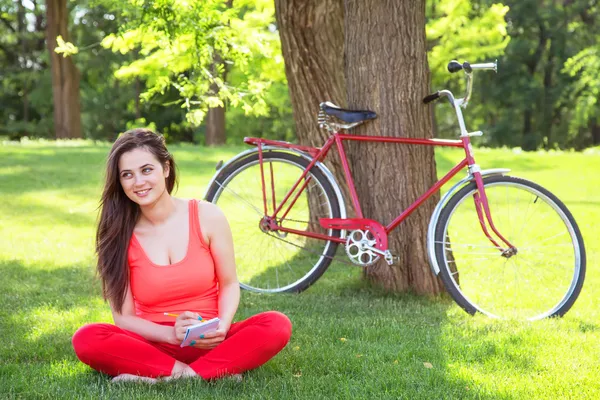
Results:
312 43
215 126
387 72
215 117
65 76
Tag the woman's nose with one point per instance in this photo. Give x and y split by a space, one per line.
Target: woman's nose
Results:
139 179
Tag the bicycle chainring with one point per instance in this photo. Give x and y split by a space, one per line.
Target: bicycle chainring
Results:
356 249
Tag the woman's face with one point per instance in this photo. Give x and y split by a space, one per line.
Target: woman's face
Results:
142 176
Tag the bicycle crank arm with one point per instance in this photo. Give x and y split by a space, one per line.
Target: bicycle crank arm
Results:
387 255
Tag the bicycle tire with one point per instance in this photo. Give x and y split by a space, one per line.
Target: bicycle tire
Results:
463 279
234 177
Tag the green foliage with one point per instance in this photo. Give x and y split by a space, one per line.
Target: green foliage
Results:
462 30
189 46
585 91
25 89
458 29
65 48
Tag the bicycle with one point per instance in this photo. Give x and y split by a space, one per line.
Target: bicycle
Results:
288 218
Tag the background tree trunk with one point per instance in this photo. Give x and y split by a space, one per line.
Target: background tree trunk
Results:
215 126
312 42
215 116
65 77
387 72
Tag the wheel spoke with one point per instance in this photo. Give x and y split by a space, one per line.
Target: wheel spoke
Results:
275 261
542 278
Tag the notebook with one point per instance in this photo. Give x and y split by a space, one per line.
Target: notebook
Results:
193 332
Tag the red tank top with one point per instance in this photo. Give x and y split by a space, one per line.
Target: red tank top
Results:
188 285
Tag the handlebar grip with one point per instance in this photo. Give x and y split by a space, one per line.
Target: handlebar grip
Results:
454 66
432 97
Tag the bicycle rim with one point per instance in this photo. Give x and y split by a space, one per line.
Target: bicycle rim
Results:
276 261
543 279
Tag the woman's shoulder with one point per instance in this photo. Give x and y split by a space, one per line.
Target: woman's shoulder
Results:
209 212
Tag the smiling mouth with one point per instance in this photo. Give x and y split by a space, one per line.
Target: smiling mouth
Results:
142 192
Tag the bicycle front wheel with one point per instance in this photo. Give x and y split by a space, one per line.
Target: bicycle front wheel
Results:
543 278
268 260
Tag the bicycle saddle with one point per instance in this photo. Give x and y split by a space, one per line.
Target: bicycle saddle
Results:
347 115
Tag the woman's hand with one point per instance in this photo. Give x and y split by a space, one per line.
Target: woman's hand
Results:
212 339
182 322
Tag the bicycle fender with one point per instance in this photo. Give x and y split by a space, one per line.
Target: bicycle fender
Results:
438 210
322 167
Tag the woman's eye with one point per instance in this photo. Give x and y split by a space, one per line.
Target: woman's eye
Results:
147 170
126 175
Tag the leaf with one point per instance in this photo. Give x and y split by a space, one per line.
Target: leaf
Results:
427 365
343 340
65 48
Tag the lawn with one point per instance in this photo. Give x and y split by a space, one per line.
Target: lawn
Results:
349 340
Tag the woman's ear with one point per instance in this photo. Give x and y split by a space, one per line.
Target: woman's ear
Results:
167 169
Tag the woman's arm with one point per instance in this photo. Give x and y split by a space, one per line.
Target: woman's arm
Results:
221 248
220 242
127 320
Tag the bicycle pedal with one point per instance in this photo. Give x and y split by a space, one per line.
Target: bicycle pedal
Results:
390 259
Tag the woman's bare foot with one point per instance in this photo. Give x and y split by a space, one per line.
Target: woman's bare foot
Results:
181 370
133 378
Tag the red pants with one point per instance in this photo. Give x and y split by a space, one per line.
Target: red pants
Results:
248 344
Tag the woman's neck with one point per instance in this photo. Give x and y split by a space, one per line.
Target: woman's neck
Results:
160 211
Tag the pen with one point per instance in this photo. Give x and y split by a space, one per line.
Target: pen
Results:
177 315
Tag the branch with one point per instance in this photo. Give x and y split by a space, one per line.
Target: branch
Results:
8 25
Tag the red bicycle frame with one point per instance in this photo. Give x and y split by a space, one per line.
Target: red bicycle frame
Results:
318 154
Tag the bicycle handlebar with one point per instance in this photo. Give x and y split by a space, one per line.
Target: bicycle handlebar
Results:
455 66
432 97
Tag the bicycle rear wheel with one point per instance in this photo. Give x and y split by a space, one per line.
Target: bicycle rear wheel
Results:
544 277
273 261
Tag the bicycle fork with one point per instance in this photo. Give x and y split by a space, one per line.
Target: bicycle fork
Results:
483 213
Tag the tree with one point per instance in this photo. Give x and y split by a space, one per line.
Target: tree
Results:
385 70
185 45
312 42
65 76
215 116
22 70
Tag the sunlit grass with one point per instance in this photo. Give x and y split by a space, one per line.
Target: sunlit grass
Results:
395 346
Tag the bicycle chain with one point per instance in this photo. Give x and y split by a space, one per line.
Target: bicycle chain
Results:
310 251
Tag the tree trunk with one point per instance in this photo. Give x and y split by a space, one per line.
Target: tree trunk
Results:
595 130
312 42
65 77
387 72
215 126
215 117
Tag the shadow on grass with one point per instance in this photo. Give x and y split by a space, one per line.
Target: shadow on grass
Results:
39 309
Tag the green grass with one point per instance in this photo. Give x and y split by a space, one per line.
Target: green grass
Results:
49 196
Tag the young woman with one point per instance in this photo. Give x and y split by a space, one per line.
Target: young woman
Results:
160 255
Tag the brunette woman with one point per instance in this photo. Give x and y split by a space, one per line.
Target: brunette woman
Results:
160 255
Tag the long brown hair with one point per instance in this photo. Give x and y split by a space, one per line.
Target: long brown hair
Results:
118 214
